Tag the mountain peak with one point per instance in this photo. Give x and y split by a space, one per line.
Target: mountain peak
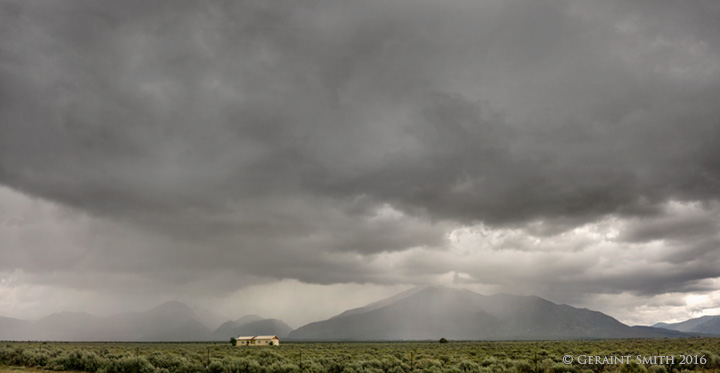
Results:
248 318
248 325
67 315
170 321
704 324
431 312
172 305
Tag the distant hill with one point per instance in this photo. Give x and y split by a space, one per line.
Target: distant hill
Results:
168 322
435 312
171 321
246 319
417 314
55 327
11 328
192 330
263 327
223 332
250 325
703 324
668 333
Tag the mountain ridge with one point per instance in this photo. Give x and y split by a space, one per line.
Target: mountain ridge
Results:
168 322
709 324
423 313
433 312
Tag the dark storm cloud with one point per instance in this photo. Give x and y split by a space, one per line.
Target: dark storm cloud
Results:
169 108
287 139
684 225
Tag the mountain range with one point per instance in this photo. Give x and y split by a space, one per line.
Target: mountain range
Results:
703 324
171 321
428 313
435 312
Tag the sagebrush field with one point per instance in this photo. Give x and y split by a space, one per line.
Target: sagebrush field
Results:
543 356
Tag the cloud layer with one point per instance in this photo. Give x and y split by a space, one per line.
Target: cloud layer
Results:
563 148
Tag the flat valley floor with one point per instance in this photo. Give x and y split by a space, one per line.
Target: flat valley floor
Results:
654 355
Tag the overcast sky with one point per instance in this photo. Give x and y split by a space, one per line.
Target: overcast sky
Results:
297 158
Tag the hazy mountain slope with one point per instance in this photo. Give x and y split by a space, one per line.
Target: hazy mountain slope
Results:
703 324
172 321
530 317
247 318
655 332
167 319
262 327
223 332
227 329
432 313
416 314
427 314
687 325
61 326
383 302
168 322
208 318
711 326
192 330
11 327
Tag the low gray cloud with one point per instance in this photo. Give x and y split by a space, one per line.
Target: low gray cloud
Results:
313 140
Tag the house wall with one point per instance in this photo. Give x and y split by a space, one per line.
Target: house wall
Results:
259 342
266 342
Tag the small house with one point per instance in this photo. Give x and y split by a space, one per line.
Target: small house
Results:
261 340
267 340
244 341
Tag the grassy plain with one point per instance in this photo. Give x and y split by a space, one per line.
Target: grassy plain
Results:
542 356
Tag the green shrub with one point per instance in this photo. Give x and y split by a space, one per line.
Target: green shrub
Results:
351 357
77 360
468 366
657 369
129 365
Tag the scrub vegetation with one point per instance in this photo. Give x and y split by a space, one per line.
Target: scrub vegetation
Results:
543 356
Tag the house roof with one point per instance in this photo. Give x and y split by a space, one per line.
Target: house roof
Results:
267 337
244 338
